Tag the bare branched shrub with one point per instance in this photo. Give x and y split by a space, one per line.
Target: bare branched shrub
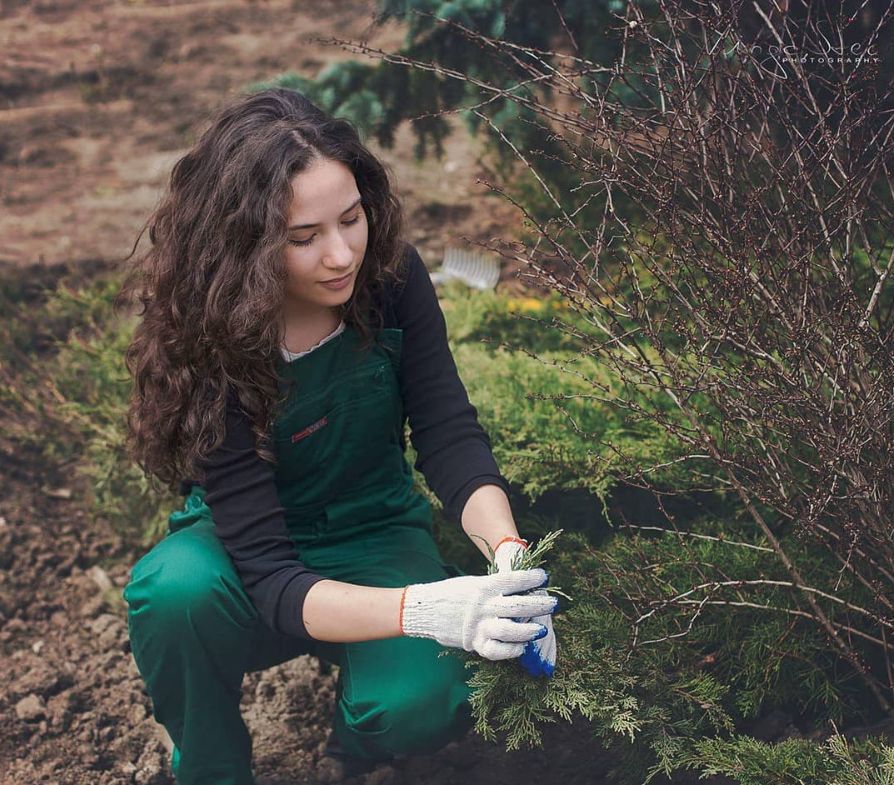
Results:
727 236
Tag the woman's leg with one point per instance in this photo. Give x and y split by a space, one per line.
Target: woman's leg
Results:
396 695
194 633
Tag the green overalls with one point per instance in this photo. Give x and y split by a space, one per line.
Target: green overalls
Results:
354 515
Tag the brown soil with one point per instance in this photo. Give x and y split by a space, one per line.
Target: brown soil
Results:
99 99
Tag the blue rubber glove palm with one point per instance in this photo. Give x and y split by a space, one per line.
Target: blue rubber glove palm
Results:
539 656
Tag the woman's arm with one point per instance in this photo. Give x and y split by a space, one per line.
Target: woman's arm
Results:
345 612
453 451
335 611
487 514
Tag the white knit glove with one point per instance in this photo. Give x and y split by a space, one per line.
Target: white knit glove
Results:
474 612
539 656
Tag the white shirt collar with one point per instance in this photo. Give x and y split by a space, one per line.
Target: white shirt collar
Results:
289 356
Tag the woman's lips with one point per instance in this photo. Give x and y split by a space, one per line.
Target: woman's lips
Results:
338 283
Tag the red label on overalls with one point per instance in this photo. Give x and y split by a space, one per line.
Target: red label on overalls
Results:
310 429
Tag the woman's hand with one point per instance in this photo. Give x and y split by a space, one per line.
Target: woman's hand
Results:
475 612
539 656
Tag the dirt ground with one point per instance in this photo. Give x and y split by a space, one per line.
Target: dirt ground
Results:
98 99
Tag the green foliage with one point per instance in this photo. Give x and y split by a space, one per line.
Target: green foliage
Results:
667 706
34 318
94 385
79 392
793 761
379 98
553 416
623 699
675 695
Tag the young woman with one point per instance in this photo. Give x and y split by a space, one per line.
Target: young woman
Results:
287 333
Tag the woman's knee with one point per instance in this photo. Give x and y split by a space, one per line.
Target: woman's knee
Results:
186 579
421 721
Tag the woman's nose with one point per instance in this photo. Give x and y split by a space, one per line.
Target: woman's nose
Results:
337 252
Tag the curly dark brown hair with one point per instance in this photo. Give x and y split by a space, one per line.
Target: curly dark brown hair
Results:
213 281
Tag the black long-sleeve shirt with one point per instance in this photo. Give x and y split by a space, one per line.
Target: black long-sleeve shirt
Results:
453 454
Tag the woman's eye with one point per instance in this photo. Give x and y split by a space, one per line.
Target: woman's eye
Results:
310 239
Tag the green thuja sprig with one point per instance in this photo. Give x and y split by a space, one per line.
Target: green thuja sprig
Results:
506 698
532 554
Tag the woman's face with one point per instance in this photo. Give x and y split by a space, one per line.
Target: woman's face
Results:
327 238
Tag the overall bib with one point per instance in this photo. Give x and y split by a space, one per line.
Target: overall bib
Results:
354 515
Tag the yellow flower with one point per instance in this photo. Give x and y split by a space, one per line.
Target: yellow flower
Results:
534 304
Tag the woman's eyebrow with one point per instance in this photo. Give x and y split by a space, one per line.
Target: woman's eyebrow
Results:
311 226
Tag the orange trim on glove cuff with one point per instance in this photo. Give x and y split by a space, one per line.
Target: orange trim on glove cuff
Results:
510 538
400 618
